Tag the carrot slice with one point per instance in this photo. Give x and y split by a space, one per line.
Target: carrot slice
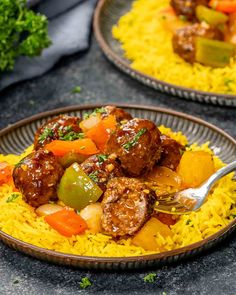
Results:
5 173
66 222
100 132
83 146
223 6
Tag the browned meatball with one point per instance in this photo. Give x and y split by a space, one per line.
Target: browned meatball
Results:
184 39
63 127
119 114
137 145
127 205
101 168
37 176
187 8
171 152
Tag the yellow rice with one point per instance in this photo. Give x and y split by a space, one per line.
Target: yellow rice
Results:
147 44
19 220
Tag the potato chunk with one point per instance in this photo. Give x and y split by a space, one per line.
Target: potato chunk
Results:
195 167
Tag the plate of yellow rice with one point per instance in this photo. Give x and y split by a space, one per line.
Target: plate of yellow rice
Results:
132 35
193 233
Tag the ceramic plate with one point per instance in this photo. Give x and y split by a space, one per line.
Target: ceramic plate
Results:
107 14
15 138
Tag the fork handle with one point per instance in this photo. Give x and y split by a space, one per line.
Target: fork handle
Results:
219 174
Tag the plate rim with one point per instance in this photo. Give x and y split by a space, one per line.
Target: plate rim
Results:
66 258
222 99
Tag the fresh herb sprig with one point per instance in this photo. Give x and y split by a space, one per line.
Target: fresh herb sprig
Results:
150 278
134 141
47 132
102 158
23 32
94 176
12 197
85 283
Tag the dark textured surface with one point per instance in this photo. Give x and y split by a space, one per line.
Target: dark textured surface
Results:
212 273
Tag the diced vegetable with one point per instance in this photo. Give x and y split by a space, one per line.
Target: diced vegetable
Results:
92 215
165 176
70 158
83 146
170 21
76 189
195 167
90 122
66 222
146 237
210 16
100 132
213 53
5 173
47 209
227 6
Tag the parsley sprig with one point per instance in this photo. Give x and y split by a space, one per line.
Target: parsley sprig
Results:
134 141
102 158
47 132
23 32
150 278
94 176
85 282
12 197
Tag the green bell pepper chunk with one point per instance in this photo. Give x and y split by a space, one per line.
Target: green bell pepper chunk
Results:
76 189
213 53
210 16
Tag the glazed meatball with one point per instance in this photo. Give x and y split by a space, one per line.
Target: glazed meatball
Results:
62 127
187 7
119 114
184 39
127 205
37 176
137 145
171 152
102 168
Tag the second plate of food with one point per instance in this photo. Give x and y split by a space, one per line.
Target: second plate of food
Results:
110 187
137 37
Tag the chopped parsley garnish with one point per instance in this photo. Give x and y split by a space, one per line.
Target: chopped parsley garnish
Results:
233 215
102 158
134 141
183 17
76 89
94 176
150 278
94 113
85 282
72 136
47 132
188 221
12 197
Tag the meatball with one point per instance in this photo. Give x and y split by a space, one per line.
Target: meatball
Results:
102 168
62 127
184 39
127 205
119 114
187 7
137 145
37 176
171 152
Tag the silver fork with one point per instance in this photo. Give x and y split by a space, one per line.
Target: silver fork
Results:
191 199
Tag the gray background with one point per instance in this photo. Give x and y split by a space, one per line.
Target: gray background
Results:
211 273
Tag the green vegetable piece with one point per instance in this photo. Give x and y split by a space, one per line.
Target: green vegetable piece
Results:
210 16
12 198
76 189
23 32
85 282
70 158
76 89
213 53
150 278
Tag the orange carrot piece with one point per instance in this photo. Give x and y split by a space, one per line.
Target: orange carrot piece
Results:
5 173
66 222
223 6
83 146
100 132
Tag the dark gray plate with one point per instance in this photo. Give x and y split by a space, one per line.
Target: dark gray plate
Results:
106 15
15 138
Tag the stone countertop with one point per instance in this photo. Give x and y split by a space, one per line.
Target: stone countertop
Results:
211 273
